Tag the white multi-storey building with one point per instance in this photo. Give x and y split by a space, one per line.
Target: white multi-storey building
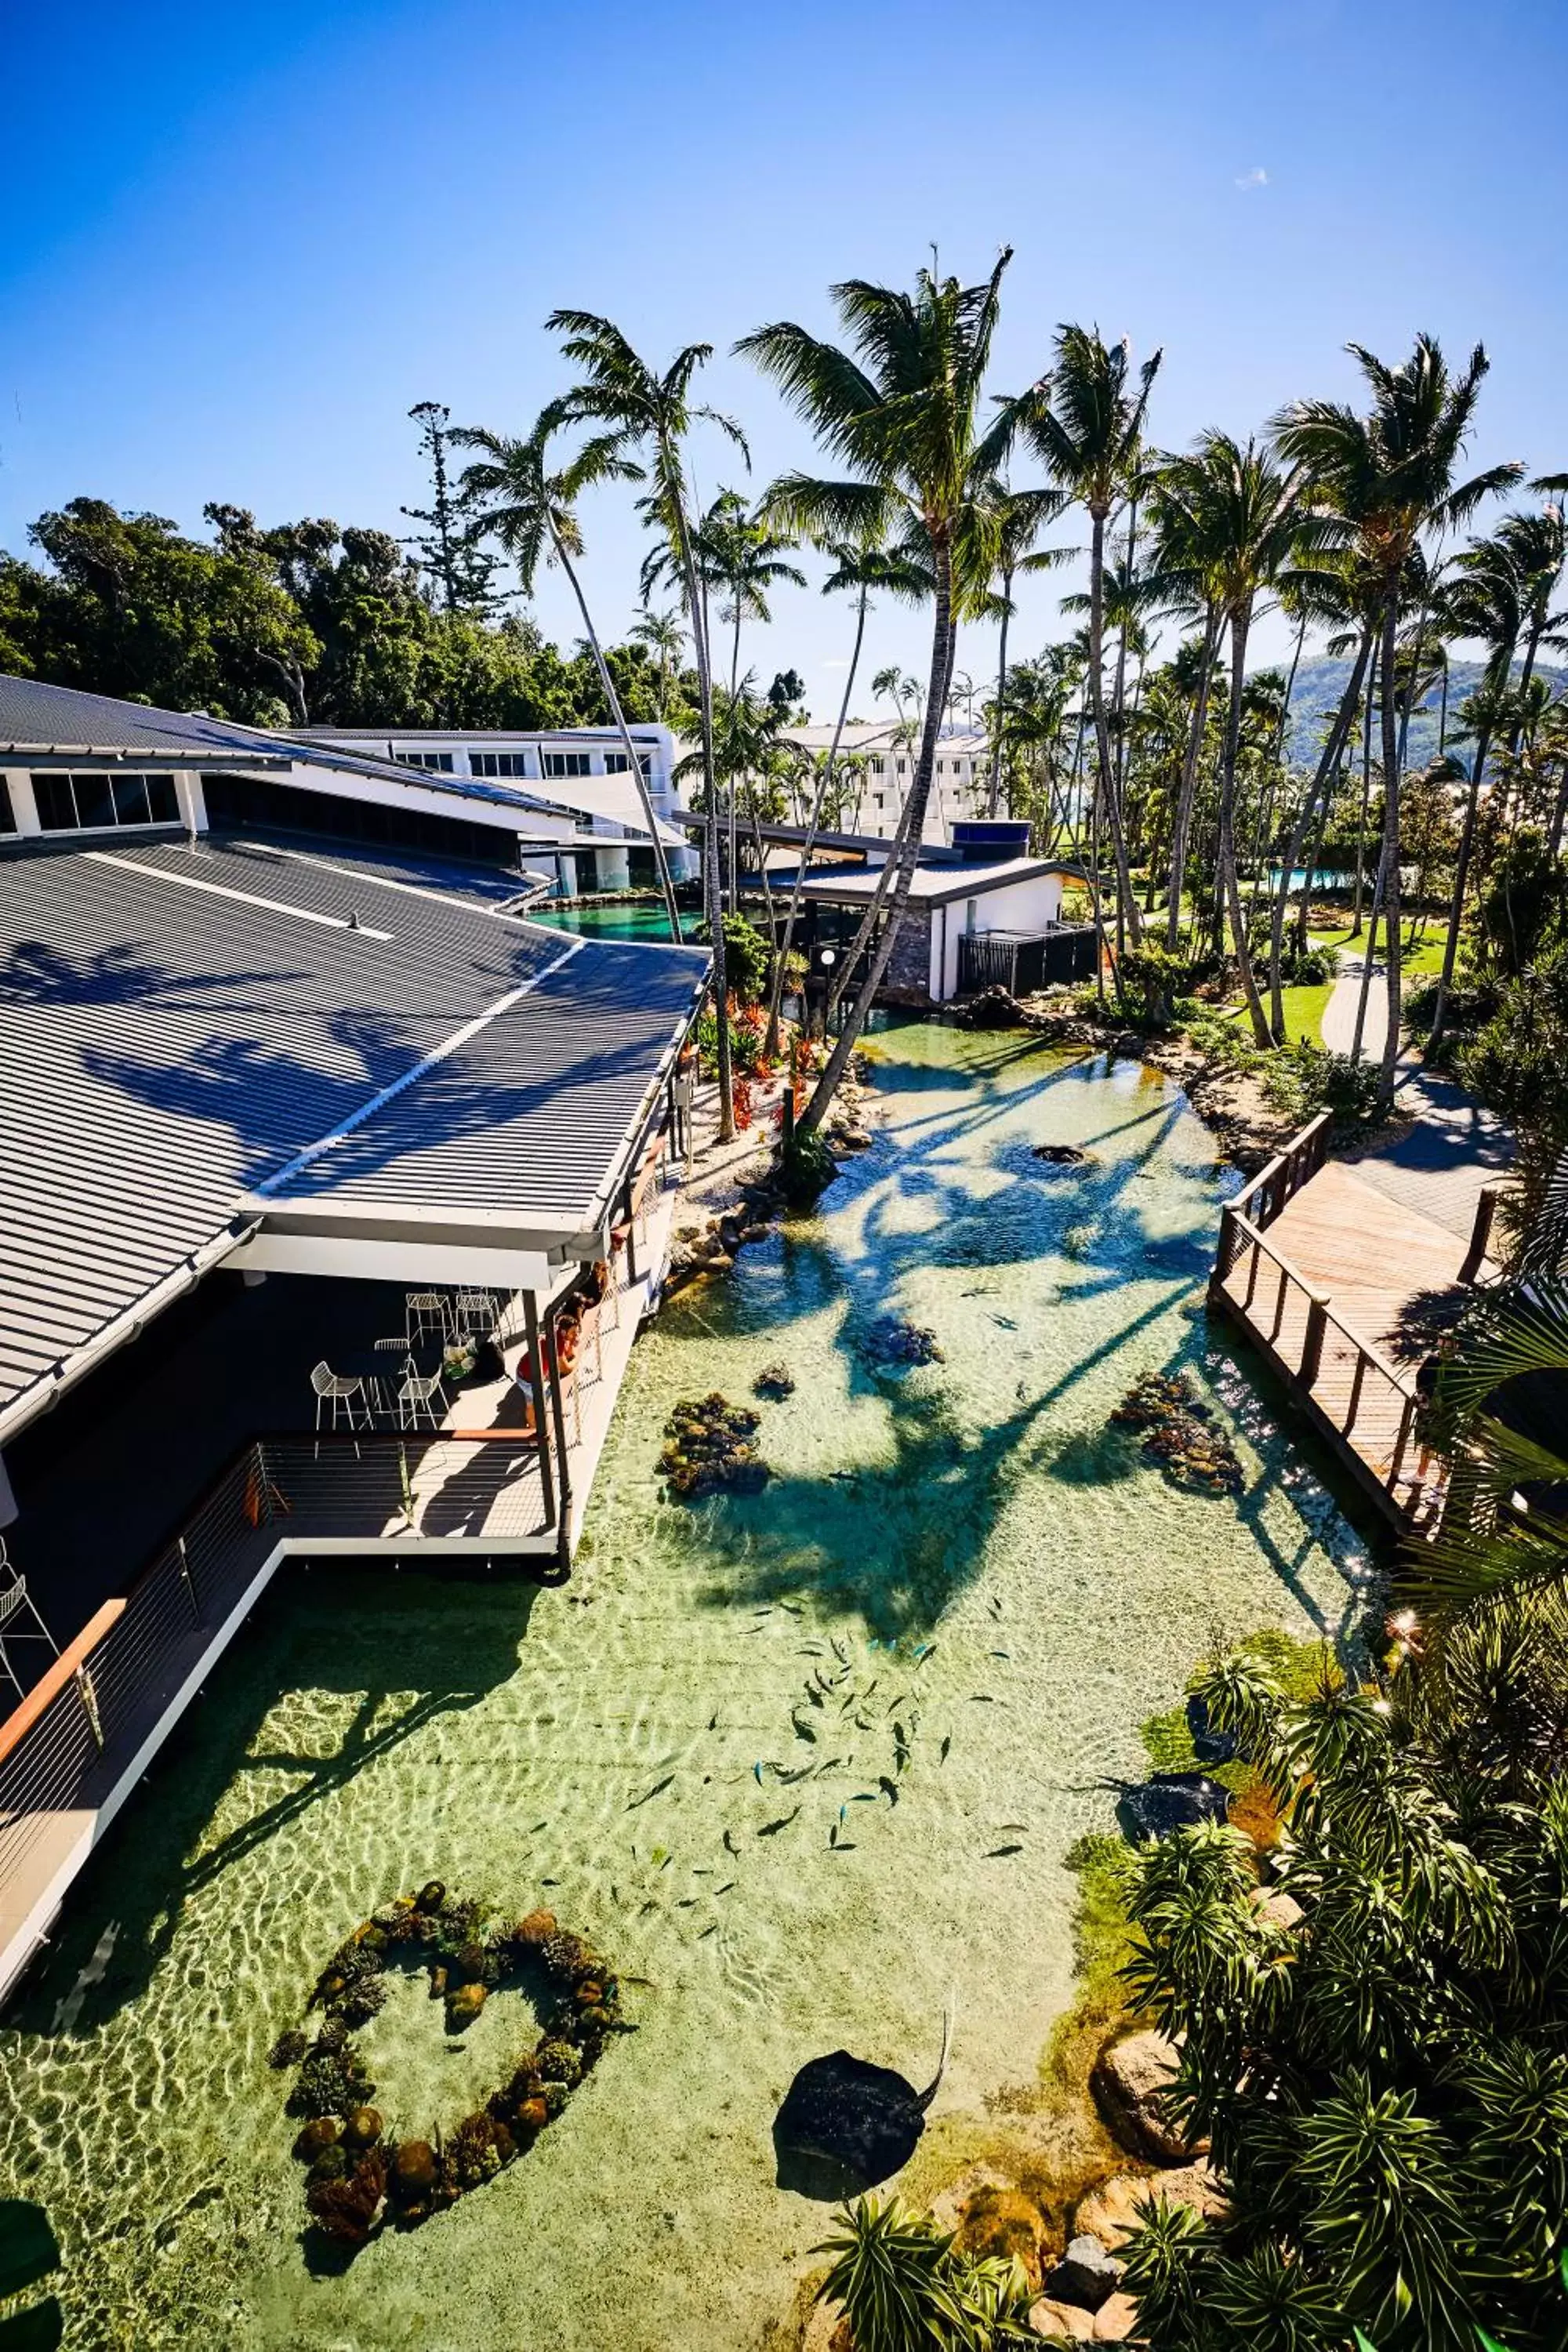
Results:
957 788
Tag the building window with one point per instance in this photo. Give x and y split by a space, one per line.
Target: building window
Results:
566 763
87 804
438 763
617 764
8 820
497 763
903 767
878 766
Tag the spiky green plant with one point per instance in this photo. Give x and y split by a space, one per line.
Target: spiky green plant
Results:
904 2287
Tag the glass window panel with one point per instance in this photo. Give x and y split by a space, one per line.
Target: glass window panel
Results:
163 800
56 810
130 800
8 820
94 801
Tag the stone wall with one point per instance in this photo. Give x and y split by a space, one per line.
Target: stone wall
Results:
907 980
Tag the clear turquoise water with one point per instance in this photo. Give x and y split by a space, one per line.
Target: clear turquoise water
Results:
1012 1589
609 922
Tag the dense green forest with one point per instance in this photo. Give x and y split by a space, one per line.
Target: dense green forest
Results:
1318 689
304 621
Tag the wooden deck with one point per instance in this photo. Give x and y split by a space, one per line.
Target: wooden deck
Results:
1345 1291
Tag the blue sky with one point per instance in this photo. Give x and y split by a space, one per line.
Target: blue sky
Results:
238 242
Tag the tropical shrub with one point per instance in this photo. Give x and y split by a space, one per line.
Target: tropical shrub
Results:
1384 2081
748 956
1301 1079
1518 1063
904 2287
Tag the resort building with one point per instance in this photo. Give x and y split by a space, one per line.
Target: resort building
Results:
982 912
959 779
562 808
334 1189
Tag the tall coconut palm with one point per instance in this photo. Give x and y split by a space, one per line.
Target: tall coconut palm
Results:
861 566
902 409
1085 421
1390 476
1022 514
640 415
663 635
519 502
1254 523
1480 599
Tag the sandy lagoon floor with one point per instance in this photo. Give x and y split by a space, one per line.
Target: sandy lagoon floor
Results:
1009 1585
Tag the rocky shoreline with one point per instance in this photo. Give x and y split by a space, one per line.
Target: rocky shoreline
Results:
1232 1106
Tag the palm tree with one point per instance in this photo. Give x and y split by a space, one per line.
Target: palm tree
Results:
640 413
1085 423
1389 476
530 512
859 566
903 411
663 635
1479 599
1253 522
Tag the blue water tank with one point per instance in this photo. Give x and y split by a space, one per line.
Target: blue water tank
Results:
990 841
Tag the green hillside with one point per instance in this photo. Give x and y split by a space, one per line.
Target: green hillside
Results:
1321 682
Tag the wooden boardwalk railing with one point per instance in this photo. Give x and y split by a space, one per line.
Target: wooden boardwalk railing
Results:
1360 1403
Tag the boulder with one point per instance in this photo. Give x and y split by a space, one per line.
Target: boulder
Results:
1115 2320
1110 2212
1086 2275
1130 2082
1276 1908
1066 2322
1003 2220
1209 1744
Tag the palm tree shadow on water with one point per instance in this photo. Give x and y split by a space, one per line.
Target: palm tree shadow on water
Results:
371 1647
896 1542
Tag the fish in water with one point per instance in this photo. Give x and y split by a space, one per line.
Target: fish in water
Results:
923 1653
1003 1654
729 1845
803 1730
998 1852
70 2007
1005 1321
657 1789
890 1788
771 1828
946 1745
842 2111
712 1929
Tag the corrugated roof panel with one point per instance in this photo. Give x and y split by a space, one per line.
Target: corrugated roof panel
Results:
166 1049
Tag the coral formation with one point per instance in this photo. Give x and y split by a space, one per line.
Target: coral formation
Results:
774 1380
708 1448
893 1340
350 2172
1179 1434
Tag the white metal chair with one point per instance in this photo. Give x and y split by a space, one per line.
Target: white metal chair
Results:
417 1394
19 1619
337 1393
427 1315
475 1314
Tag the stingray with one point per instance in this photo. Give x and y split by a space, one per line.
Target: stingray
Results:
1168 1802
846 2124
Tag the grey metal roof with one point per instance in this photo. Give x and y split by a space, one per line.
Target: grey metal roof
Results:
169 1048
34 716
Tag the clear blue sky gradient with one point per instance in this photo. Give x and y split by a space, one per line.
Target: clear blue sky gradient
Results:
240 241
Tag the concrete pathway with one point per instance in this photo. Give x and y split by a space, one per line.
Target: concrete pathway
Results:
1446 1146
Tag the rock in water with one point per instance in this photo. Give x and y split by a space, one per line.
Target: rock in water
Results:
1087 2274
1170 1801
844 2112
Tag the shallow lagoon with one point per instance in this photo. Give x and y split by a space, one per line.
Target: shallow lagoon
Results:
1010 1584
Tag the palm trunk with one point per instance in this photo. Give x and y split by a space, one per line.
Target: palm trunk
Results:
824 786
1369 957
1392 944
944 639
1229 880
867 923
1321 784
1461 877
996 791
619 719
1189 782
698 611
1126 905
1366 798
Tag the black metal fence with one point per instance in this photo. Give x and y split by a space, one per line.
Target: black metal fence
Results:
1022 962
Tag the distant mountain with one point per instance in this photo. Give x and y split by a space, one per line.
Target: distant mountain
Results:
1319 682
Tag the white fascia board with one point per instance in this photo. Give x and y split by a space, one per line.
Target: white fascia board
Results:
419 1264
